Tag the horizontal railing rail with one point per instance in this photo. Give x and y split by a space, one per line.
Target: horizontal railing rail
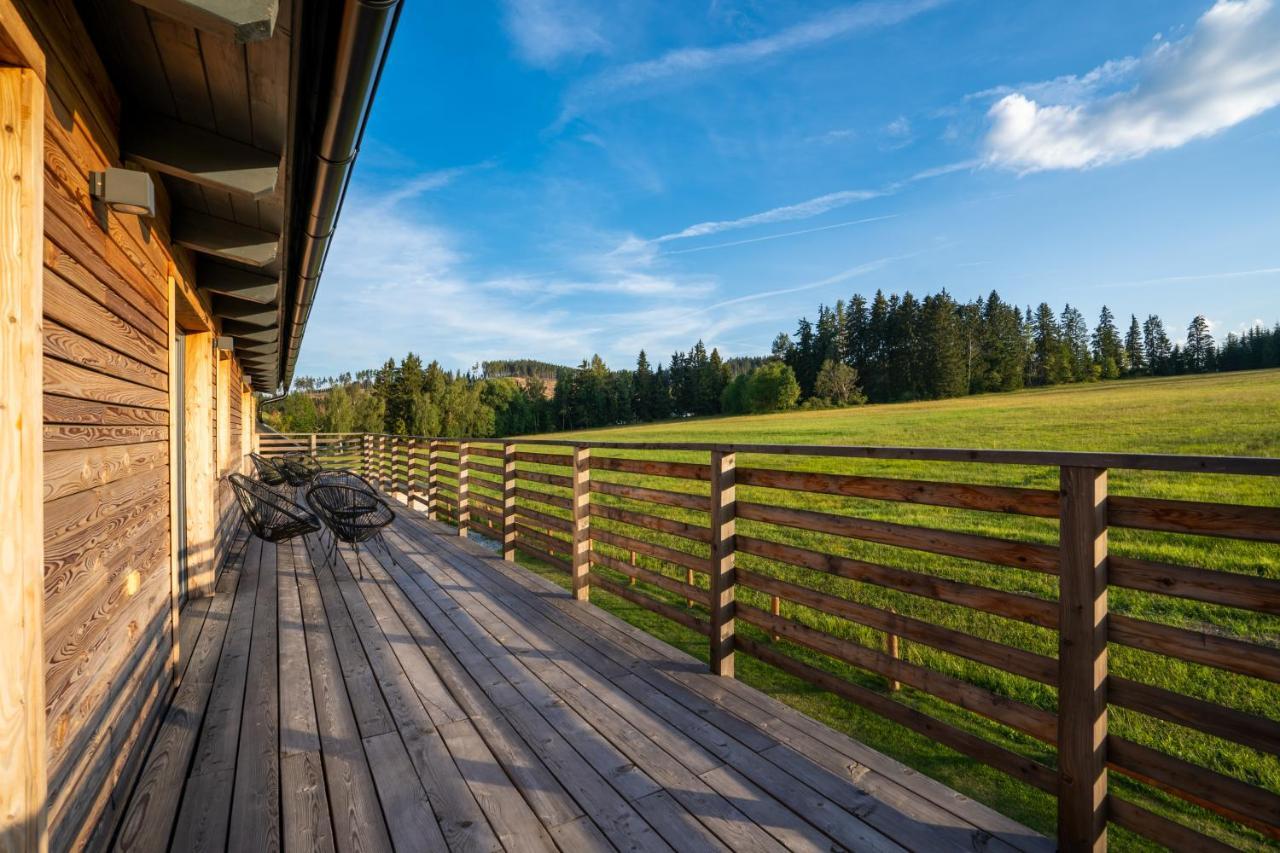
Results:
1017 612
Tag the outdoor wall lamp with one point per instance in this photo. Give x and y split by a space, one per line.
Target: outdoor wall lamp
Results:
124 191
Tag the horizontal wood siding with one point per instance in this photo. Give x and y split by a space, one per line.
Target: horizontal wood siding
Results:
107 626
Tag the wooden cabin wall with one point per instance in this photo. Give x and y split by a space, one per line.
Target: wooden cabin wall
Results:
228 390
108 624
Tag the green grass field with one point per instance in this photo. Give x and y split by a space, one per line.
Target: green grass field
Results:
1230 414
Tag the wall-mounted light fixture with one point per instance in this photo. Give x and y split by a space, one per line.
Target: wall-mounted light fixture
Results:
124 191
224 343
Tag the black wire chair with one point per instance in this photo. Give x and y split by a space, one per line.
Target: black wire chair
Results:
298 471
268 471
305 461
270 515
353 515
349 479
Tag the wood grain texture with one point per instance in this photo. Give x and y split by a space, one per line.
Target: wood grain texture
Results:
201 462
69 471
724 582
1037 502
70 410
70 380
64 344
23 780
1082 662
646 521
657 496
107 321
1041 725
1010 605
1027 664
1005 552
652 467
1258 523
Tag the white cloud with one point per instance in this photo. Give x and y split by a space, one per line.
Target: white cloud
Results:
1210 276
683 63
1069 88
784 234
801 210
842 276
428 181
546 31
395 282
1226 71
807 209
841 134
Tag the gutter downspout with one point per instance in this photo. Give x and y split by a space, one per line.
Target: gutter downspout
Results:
364 38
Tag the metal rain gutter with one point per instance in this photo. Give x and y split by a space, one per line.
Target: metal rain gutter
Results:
364 38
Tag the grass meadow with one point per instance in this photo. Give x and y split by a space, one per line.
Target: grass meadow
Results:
1228 414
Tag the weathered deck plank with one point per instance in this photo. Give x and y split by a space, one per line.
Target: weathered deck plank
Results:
436 697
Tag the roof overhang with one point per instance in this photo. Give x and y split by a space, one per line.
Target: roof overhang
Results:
253 133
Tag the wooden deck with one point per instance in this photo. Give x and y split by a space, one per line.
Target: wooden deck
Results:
447 699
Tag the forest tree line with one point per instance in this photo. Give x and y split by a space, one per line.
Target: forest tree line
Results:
886 349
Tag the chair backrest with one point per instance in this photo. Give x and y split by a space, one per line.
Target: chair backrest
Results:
306 461
353 514
264 508
344 478
268 471
295 471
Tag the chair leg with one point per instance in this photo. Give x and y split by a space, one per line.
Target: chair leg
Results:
385 547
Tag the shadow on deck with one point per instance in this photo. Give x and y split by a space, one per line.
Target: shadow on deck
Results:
431 696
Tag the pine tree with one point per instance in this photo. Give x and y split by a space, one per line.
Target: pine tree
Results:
1075 334
1135 361
939 355
711 378
643 389
1199 351
1003 344
1108 354
856 335
1156 346
1050 357
876 377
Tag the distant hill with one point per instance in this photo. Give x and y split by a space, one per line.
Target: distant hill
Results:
517 368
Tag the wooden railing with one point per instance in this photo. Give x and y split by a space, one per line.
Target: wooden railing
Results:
830 576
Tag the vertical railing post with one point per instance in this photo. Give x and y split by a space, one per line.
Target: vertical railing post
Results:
411 472
582 523
724 511
1082 660
313 445
379 466
387 452
433 473
464 489
509 501
399 449
366 451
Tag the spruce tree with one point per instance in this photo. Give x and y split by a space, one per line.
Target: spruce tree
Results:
1199 351
1108 353
643 389
1049 354
1135 361
1156 346
1075 335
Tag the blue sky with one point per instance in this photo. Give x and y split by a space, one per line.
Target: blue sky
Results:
556 178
